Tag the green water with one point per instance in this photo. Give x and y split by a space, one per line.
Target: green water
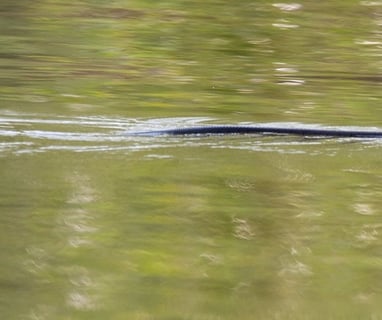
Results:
96 224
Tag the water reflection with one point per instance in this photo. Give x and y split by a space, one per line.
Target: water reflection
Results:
288 6
96 223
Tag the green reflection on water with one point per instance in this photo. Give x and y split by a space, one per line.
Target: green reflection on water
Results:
232 60
205 233
248 227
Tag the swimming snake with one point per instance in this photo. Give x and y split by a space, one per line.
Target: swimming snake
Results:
244 129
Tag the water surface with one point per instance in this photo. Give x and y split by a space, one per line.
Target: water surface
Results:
98 224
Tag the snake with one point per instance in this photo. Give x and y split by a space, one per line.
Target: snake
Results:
264 130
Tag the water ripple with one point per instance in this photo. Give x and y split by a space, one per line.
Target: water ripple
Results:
29 133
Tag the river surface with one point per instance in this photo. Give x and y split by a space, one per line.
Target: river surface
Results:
99 224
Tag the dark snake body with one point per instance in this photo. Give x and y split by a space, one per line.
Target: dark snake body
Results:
238 129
